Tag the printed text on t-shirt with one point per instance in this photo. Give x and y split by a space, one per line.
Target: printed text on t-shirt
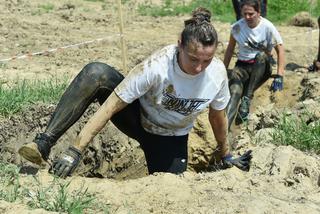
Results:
182 105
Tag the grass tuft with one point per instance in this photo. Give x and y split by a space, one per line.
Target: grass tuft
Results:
25 92
302 132
55 197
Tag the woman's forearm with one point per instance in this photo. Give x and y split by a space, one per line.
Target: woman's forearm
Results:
111 106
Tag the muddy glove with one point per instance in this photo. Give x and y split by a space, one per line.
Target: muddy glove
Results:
277 84
242 162
66 164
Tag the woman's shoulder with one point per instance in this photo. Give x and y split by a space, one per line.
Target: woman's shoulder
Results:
217 62
165 52
158 61
266 22
217 73
217 67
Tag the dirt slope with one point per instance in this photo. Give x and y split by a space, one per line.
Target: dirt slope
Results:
282 179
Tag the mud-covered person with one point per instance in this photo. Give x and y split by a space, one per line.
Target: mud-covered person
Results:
155 104
256 37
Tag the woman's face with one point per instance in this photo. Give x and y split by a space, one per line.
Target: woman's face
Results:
195 58
251 16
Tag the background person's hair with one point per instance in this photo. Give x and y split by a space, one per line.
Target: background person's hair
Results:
253 3
199 29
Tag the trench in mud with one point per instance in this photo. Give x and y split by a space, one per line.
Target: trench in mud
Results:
112 154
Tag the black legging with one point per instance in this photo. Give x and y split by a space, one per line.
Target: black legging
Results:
244 79
96 81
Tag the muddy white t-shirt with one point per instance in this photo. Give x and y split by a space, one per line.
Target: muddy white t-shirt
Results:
264 35
171 99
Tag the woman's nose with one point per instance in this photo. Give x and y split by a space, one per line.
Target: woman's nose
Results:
199 67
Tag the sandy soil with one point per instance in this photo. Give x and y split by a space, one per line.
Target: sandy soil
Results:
281 180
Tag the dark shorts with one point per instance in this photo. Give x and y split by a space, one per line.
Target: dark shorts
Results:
250 75
162 153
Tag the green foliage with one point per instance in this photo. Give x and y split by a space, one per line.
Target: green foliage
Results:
10 189
55 197
278 11
47 7
298 131
26 92
96 0
60 199
43 8
283 10
172 8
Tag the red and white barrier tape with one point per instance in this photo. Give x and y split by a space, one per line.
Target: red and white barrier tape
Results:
28 55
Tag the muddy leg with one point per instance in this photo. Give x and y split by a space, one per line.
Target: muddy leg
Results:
83 90
317 63
315 66
318 58
236 7
236 90
263 6
259 74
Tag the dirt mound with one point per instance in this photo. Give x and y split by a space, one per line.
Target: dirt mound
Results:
303 19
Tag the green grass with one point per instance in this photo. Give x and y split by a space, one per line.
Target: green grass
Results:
278 11
298 131
58 198
10 189
95 0
46 7
42 9
54 197
25 92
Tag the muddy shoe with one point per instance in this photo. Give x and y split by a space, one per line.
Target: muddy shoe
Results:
241 118
38 151
31 153
243 113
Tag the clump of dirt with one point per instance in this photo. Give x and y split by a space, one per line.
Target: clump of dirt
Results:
303 19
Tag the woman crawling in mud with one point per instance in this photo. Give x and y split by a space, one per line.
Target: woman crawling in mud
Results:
155 104
256 37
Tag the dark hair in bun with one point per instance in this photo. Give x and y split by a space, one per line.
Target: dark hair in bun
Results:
199 29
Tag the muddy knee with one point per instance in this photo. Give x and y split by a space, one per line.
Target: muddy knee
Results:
102 78
103 74
236 89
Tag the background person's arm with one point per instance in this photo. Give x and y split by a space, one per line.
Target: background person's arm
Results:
229 51
280 59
